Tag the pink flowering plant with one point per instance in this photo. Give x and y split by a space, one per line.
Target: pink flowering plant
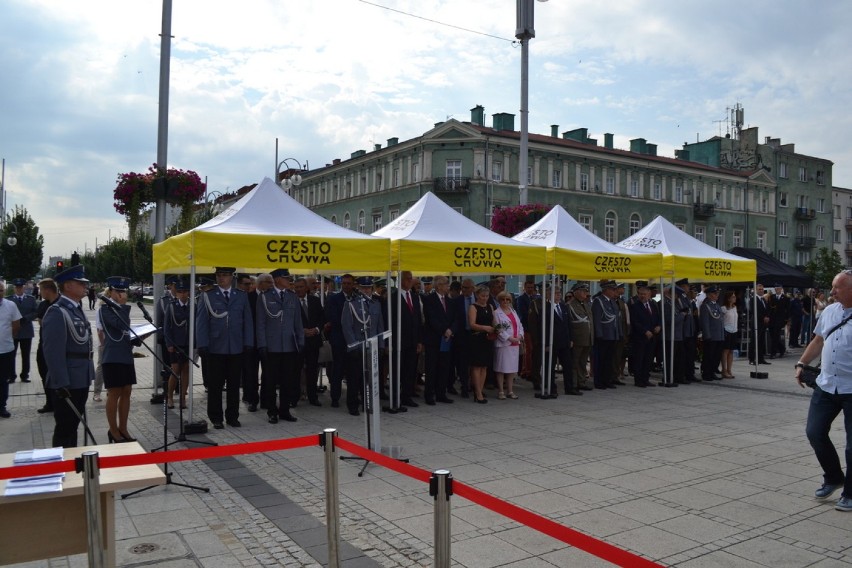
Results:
509 221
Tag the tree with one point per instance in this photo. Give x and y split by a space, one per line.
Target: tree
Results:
120 258
824 267
23 259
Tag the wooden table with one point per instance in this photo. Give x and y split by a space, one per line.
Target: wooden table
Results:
35 527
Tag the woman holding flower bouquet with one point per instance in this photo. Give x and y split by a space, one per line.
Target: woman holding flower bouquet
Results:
480 318
510 334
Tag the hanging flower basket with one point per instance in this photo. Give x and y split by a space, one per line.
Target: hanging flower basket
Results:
509 221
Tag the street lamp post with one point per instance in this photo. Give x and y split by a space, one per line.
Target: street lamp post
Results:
291 177
524 31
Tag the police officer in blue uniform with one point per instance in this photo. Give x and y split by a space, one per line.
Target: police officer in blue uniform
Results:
712 333
67 338
223 326
28 307
360 319
117 363
280 338
608 332
176 336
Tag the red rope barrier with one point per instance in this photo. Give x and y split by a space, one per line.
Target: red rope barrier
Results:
204 453
536 522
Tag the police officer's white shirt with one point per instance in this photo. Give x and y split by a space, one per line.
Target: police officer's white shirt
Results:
9 313
836 375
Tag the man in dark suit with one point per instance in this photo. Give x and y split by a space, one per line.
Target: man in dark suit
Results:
561 346
461 335
522 306
313 320
28 307
333 313
758 332
408 343
439 315
779 314
644 328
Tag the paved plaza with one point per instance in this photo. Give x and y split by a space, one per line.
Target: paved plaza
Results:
699 476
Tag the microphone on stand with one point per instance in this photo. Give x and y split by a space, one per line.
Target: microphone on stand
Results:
109 302
145 313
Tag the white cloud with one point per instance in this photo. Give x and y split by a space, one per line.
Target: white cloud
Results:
331 77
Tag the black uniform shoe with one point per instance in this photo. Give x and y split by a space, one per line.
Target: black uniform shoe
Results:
218 425
272 419
233 423
252 408
445 400
287 417
452 390
44 409
355 412
314 402
408 402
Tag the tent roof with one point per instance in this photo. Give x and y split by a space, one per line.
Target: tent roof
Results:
582 255
687 257
433 237
267 229
771 271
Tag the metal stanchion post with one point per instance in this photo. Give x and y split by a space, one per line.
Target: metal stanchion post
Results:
332 506
441 487
88 465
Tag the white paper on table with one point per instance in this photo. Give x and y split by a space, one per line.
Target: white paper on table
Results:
13 490
39 456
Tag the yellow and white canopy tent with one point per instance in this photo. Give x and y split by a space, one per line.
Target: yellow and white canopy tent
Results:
687 257
268 229
576 252
265 230
432 237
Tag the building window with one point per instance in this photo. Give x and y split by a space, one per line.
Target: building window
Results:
678 193
719 237
363 187
760 240
584 182
782 256
454 169
821 205
820 177
820 233
836 211
782 228
346 220
348 189
395 178
635 224
803 173
802 201
782 199
782 170
609 227
837 236
634 188
361 217
849 212
334 219
764 204
681 226
393 214
585 220
378 181
802 258
529 175
737 238
699 233
557 178
415 172
610 186
497 171
658 192
377 221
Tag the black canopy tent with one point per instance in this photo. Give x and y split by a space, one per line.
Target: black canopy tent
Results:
771 271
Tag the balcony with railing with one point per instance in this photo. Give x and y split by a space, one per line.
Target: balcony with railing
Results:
704 210
848 248
804 214
849 224
451 185
805 242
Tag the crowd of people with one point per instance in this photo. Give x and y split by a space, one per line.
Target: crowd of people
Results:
260 337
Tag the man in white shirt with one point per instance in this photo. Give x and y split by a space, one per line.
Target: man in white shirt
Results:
10 323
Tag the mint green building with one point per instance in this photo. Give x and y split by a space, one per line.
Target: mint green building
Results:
612 192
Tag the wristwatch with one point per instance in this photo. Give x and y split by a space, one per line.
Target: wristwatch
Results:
799 365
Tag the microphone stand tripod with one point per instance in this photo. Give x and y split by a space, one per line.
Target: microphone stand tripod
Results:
165 446
87 434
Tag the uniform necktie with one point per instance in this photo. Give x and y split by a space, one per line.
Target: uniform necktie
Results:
648 307
226 296
408 301
281 294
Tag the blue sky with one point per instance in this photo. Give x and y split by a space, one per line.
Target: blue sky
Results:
80 80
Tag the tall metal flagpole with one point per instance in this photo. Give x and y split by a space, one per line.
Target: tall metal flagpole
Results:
162 156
